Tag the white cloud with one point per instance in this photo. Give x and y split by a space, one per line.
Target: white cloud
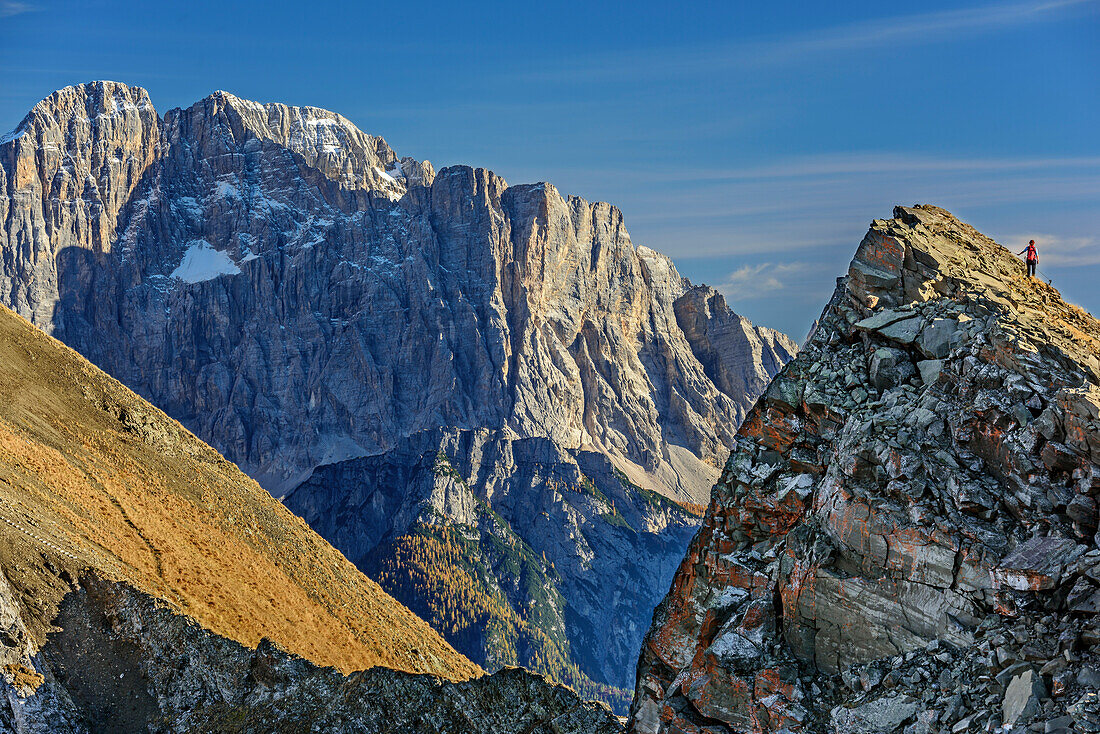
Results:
9 8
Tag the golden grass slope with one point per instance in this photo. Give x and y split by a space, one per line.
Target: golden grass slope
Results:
92 476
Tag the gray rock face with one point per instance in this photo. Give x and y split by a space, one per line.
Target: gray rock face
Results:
600 551
121 662
1023 697
896 545
297 295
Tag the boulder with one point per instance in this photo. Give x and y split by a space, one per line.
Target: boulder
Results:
881 716
938 337
1034 566
890 367
1023 698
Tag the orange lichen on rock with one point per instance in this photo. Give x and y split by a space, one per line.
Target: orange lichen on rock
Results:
928 461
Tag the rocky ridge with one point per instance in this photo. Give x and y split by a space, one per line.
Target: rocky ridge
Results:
300 296
119 661
904 537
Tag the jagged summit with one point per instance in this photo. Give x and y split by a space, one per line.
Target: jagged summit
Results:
904 537
326 141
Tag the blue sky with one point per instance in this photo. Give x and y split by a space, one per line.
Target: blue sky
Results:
752 142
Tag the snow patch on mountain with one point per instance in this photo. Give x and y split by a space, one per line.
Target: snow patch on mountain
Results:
202 262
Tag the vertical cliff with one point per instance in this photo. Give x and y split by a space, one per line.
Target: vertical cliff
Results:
904 536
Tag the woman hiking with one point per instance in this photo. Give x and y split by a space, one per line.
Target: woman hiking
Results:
1032 258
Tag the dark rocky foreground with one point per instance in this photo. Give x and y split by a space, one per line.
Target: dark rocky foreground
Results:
122 663
904 538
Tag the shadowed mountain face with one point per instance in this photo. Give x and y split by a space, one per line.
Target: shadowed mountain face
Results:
515 549
904 538
299 296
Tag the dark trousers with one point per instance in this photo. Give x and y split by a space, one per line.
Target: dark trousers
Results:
1031 267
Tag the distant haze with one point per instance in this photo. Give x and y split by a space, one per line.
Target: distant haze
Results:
752 144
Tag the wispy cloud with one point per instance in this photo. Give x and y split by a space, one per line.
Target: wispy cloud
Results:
823 203
764 280
9 8
1057 251
877 163
917 28
898 30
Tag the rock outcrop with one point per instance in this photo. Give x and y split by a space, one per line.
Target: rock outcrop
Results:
121 662
904 537
298 295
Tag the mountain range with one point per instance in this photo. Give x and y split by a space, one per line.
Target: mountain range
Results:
486 396
491 403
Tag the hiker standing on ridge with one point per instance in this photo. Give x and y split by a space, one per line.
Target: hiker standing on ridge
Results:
1032 258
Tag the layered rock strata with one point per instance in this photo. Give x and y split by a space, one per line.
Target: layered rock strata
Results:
904 537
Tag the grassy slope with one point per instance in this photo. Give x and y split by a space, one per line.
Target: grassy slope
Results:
92 476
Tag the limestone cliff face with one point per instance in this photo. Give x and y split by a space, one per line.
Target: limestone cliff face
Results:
297 295
303 299
904 537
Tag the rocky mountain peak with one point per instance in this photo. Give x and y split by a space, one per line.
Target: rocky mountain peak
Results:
904 536
304 300
324 140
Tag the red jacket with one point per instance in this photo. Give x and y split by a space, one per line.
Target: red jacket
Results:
1032 255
